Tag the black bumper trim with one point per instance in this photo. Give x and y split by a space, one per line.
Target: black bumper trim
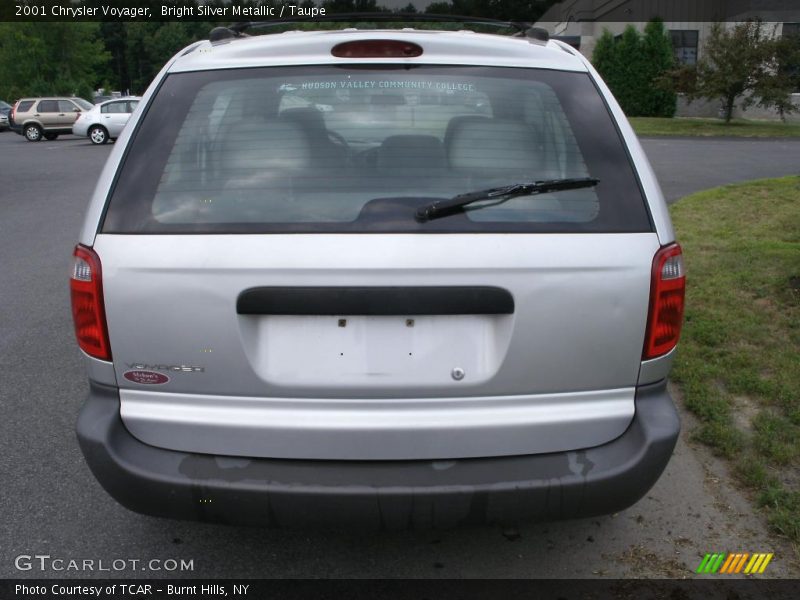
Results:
378 494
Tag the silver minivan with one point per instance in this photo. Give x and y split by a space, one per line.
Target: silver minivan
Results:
393 278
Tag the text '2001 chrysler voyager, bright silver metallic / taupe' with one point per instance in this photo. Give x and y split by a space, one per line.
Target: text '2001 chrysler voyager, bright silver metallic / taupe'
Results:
402 278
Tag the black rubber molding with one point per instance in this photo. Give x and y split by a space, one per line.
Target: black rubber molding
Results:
375 301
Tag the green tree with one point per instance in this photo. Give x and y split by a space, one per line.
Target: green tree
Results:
349 6
743 64
632 66
513 10
114 36
659 100
775 88
50 58
149 45
604 56
438 8
630 79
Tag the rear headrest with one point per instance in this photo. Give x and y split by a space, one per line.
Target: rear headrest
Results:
456 123
408 152
492 145
309 118
259 145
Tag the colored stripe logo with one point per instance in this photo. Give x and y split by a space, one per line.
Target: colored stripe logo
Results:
735 562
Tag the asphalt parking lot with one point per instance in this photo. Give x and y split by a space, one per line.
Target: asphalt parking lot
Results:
51 504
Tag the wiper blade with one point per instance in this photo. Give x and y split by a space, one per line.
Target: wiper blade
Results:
442 208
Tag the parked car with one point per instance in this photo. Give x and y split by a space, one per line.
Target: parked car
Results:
37 118
106 120
5 108
394 313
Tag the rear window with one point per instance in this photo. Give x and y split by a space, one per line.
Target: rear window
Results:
24 106
359 149
84 104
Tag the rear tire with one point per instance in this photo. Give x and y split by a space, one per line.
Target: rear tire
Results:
33 133
50 136
98 135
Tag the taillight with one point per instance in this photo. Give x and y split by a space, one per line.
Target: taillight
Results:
377 49
88 314
667 288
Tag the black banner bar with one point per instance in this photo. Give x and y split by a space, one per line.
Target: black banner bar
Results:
390 589
234 11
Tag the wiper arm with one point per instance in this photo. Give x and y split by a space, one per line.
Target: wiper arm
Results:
442 208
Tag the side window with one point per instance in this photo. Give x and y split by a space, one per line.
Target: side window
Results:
48 106
24 106
114 108
791 31
65 106
132 105
684 45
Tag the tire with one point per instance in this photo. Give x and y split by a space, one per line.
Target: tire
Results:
98 135
50 136
32 133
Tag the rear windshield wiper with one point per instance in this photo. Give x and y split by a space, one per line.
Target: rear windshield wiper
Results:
442 208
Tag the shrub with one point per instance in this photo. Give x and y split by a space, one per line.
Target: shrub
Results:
634 67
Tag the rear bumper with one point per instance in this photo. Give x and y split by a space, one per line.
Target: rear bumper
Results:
80 129
378 494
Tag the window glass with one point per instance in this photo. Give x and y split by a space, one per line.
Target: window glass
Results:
65 106
83 104
791 31
115 107
684 46
48 106
359 149
25 106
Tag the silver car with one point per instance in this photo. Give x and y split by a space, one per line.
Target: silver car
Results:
452 297
105 121
5 108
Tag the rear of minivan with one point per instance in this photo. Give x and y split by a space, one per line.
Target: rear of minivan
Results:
278 331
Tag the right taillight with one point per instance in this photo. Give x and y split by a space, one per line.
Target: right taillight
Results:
667 288
88 314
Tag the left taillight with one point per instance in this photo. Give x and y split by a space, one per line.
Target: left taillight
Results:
88 314
667 290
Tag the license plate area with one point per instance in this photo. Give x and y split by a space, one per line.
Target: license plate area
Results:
392 351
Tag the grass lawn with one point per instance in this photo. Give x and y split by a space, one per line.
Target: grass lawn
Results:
738 362
712 127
